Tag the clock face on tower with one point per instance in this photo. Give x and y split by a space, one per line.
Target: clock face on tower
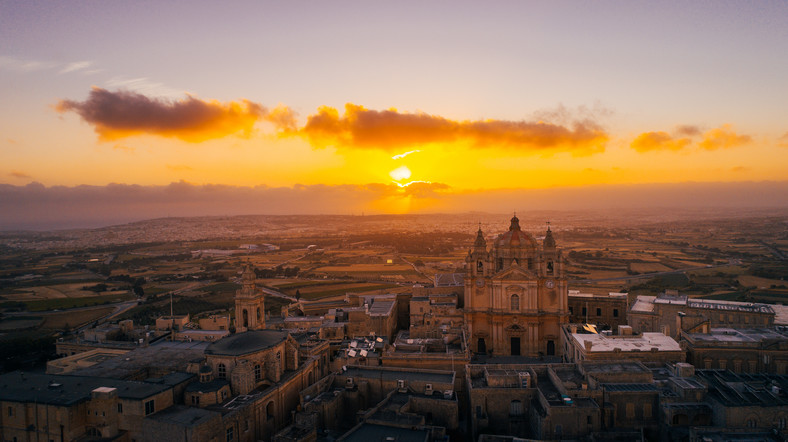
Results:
549 284
479 283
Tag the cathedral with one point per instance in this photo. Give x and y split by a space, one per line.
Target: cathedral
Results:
516 295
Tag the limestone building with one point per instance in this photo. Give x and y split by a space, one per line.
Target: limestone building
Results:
249 304
515 294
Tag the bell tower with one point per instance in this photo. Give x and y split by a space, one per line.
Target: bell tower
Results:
249 304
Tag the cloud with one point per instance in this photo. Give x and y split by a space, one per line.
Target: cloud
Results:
76 66
651 141
688 130
18 174
404 154
723 137
120 114
740 169
361 128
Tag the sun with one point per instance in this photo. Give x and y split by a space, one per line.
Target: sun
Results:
400 173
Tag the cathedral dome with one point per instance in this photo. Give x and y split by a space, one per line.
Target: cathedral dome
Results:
515 238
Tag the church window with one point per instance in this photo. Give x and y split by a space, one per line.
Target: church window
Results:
516 408
585 311
479 266
246 318
549 266
230 437
515 302
257 372
500 264
258 314
221 371
530 264
615 313
599 312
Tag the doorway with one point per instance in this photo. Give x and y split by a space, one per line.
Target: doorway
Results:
515 346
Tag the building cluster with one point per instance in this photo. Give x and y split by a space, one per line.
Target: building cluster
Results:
505 353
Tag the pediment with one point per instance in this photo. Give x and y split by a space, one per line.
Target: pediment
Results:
514 273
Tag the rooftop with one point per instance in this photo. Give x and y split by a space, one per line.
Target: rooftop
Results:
373 432
247 342
431 376
738 335
185 416
646 341
66 390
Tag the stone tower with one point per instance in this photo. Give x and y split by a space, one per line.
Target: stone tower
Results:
249 304
516 294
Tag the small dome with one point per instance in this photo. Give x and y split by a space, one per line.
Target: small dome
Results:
205 369
549 241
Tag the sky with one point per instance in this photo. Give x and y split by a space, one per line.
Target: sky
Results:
386 107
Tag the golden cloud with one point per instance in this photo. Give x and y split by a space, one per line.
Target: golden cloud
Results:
18 174
120 114
393 130
723 137
649 141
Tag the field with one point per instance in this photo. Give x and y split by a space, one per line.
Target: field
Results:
67 303
73 319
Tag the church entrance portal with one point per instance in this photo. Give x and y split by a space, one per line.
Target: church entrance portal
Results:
481 347
515 347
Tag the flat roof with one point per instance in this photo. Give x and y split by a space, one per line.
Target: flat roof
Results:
185 416
68 390
643 342
373 432
738 335
639 387
446 377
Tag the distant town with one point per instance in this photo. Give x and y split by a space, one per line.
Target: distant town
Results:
592 326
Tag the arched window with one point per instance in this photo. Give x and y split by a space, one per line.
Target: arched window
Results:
258 373
515 302
549 266
479 266
246 318
221 371
752 422
269 410
258 314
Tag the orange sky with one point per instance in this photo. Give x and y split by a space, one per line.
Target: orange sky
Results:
454 98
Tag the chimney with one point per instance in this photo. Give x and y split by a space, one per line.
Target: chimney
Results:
588 344
625 330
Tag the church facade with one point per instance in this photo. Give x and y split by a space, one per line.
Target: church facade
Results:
516 294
